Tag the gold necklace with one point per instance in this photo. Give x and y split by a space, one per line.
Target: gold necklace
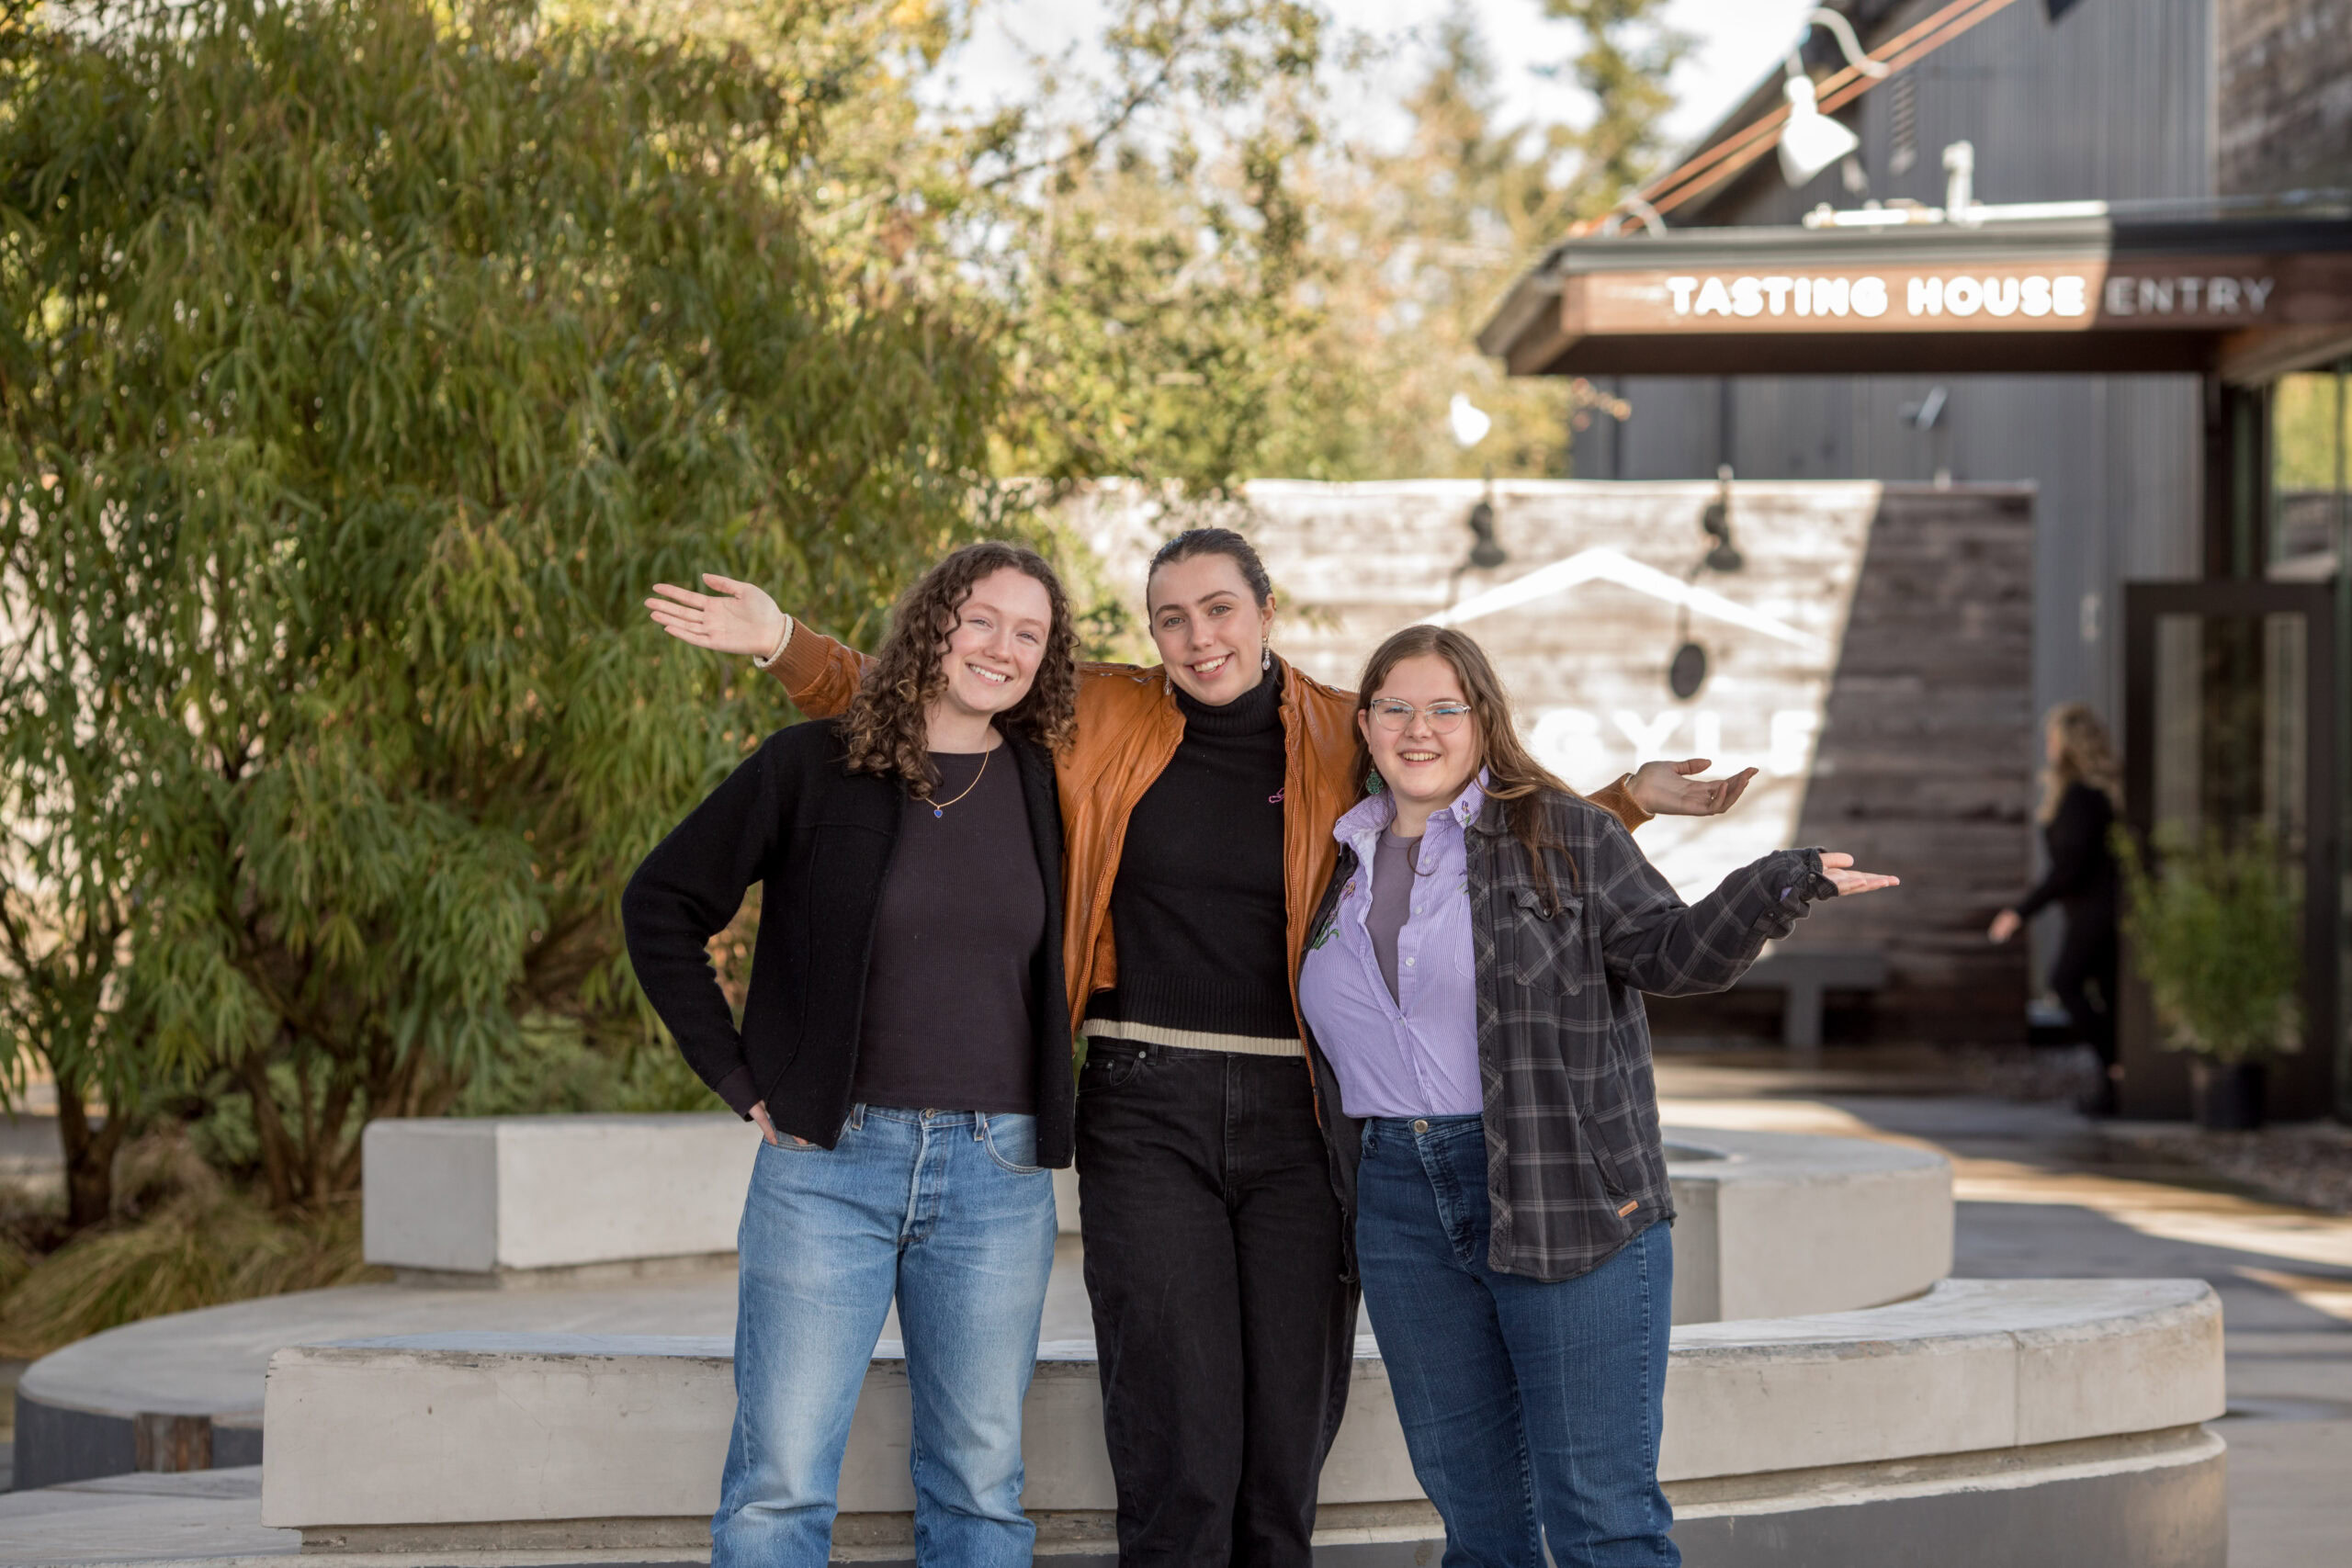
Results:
939 807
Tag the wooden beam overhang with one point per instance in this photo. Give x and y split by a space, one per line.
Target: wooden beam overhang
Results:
2237 297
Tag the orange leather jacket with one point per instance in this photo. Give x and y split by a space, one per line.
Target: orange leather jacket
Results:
1128 728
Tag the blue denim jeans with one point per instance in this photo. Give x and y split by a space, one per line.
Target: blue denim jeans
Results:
946 1210
1531 1411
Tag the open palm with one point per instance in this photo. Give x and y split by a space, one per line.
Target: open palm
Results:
733 617
1839 869
1673 789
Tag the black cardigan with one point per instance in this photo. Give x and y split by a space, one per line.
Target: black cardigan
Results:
820 838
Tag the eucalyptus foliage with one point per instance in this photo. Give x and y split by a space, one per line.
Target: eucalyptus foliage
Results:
2216 929
364 364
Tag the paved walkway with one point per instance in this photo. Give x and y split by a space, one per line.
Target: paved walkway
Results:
2043 1193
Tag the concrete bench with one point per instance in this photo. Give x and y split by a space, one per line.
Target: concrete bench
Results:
452 1199
529 1200
1778 1224
1772 1223
1803 976
1994 1407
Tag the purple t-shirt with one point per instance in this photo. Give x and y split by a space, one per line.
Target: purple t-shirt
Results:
1414 1053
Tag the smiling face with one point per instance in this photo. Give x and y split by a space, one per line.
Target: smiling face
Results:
1210 629
999 638
1424 767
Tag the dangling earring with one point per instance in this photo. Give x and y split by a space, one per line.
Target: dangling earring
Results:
1265 656
1373 782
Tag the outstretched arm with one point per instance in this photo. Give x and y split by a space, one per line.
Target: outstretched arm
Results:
820 673
1653 942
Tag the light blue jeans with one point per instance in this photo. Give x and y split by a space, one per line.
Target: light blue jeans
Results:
949 1211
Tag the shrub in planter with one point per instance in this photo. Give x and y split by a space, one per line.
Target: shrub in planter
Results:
2216 929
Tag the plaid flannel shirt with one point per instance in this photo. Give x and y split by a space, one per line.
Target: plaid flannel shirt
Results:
1575 1165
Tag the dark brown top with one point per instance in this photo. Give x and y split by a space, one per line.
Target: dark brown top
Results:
951 991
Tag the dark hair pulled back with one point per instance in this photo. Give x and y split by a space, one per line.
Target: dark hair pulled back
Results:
1217 542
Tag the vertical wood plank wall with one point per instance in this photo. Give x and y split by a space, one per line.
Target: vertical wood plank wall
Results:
1921 770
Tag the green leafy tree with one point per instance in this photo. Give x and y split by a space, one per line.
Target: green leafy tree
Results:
365 363
1423 239
368 359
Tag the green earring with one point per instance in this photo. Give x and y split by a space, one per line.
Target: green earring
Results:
1373 782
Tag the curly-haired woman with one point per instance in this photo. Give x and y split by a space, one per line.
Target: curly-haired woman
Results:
2080 788
1197 802
904 1049
1473 991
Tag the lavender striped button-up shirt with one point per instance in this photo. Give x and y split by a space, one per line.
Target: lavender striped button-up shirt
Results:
1416 1053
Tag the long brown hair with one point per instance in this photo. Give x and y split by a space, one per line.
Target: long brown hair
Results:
1513 775
887 727
2085 756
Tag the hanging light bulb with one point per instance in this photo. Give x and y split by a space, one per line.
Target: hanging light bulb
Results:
1470 422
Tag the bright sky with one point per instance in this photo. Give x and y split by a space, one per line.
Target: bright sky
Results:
1739 41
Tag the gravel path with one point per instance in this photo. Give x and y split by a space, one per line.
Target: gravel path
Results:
2305 1162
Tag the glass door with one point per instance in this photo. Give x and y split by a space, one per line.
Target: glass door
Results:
2229 726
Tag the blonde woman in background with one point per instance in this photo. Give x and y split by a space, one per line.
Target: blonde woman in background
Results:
2081 789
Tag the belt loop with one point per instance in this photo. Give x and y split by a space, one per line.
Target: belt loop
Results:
857 1117
979 1126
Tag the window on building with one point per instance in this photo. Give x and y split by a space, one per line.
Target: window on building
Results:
2311 447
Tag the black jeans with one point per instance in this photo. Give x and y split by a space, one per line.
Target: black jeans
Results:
1225 1331
2086 964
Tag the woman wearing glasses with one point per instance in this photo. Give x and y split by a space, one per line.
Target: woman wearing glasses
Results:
1473 996
1197 802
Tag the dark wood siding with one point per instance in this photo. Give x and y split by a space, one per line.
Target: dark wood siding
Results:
2113 101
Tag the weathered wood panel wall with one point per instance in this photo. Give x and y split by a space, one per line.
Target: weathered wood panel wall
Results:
1921 768
1872 656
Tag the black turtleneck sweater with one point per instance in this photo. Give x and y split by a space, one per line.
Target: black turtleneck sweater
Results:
1198 911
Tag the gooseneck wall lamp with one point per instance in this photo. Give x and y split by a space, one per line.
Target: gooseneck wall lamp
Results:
1811 141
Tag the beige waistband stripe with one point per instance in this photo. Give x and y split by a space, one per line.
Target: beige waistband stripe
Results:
1192 1038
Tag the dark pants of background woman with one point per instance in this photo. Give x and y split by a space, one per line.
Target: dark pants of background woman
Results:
1225 1334
2084 973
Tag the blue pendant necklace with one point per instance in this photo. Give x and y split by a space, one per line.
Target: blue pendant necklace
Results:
939 807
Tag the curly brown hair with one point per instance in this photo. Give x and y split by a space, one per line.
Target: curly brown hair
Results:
886 727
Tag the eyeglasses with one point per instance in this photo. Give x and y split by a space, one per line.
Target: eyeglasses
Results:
1395 716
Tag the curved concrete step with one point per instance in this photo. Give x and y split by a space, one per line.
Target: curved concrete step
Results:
469 1430
1770 1223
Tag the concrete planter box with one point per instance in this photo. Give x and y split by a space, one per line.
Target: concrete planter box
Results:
492 1195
